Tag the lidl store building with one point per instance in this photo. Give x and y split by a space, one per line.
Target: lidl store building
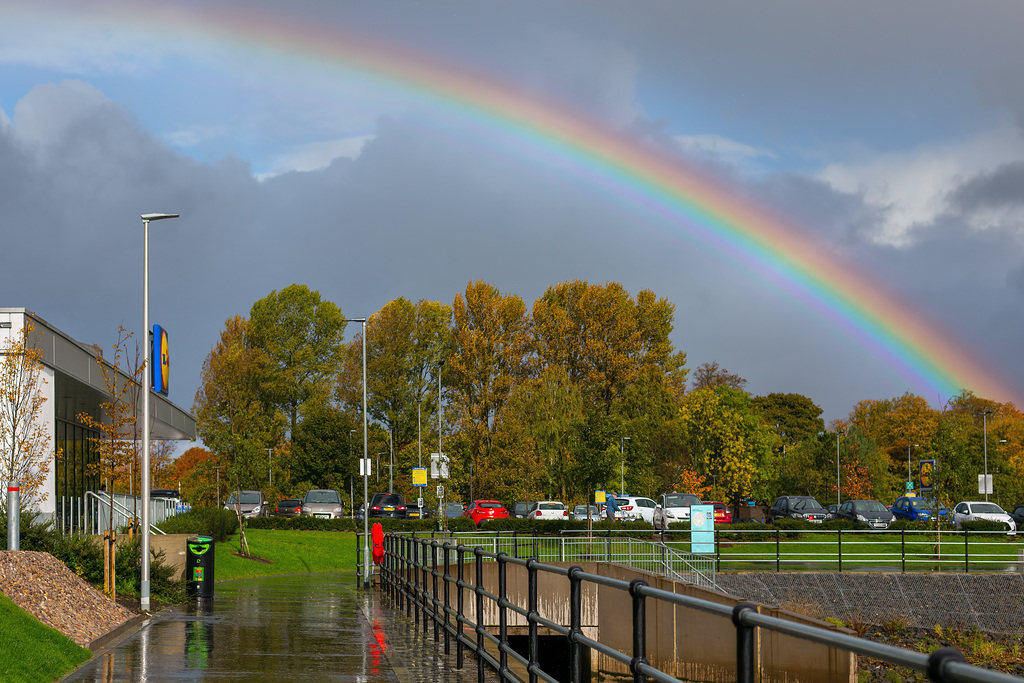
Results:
74 384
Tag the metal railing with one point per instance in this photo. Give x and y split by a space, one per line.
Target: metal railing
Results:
90 514
414 578
854 549
617 547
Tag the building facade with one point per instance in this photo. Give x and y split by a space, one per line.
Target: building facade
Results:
73 384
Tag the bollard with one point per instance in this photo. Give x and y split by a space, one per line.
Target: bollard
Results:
13 516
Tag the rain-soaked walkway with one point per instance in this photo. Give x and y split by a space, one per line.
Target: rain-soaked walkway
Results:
311 627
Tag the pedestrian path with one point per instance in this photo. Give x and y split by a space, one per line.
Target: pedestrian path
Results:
310 627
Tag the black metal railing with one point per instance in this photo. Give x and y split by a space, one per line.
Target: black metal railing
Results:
413 578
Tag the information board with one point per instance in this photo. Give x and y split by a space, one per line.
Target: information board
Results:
702 529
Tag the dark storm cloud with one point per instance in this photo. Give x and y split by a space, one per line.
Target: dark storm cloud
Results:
1001 188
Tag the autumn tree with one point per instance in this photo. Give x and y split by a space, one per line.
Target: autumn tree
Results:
709 375
605 339
300 337
794 417
231 418
197 470
25 451
116 446
490 340
728 441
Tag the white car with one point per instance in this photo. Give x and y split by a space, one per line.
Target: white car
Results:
548 509
636 508
675 507
971 510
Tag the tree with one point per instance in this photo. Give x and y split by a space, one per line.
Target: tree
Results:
231 418
795 417
711 375
197 470
24 438
491 341
321 448
604 339
301 338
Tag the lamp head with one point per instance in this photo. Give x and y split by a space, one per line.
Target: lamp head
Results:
157 216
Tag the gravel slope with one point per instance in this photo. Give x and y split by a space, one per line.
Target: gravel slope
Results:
44 587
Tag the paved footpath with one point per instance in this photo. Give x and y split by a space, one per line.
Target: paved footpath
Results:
311 627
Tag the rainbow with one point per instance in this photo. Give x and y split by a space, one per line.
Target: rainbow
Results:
651 181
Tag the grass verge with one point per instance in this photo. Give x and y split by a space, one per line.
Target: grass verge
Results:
286 552
31 650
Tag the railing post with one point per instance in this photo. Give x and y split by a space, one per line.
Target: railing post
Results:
903 550
531 618
447 600
502 617
575 624
433 607
479 589
745 663
967 564
840 549
639 630
417 596
718 549
460 556
778 557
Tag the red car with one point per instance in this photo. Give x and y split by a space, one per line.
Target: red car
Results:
480 510
723 515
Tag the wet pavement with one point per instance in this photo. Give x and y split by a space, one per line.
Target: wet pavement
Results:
311 627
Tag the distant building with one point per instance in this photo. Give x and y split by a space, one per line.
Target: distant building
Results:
75 385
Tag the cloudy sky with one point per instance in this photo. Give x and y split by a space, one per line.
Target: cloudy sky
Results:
386 149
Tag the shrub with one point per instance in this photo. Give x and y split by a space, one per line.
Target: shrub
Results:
944 525
217 523
984 525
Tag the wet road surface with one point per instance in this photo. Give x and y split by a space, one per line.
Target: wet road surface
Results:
312 627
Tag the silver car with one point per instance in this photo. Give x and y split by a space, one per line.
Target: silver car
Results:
249 503
579 513
323 503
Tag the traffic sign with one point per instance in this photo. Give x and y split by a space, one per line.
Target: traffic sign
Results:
927 470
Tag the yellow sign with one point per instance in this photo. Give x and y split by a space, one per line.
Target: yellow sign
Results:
419 476
599 497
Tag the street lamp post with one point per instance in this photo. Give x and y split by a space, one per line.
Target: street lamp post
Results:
270 463
146 389
622 470
366 477
419 430
839 432
909 446
440 453
984 418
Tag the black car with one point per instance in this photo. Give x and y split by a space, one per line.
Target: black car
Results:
289 507
1018 516
520 509
797 507
869 512
388 505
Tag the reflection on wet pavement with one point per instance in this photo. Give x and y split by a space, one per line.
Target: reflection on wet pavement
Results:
305 628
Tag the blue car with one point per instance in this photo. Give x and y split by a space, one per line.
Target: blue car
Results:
917 509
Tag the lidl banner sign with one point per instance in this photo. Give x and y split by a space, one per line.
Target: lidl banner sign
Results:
702 529
927 472
161 360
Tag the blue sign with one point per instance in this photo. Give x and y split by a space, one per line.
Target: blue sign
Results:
161 360
702 529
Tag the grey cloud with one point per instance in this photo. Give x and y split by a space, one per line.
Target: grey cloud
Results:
1001 188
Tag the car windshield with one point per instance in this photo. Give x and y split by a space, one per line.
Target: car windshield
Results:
552 506
453 507
681 500
870 506
247 498
807 504
489 504
322 497
924 503
986 508
389 499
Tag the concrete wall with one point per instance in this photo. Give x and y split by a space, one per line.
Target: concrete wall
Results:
684 642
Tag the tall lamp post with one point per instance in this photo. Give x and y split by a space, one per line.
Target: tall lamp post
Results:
146 389
366 476
622 470
839 432
984 418
910 446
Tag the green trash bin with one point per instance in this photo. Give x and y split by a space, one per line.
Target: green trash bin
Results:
199 567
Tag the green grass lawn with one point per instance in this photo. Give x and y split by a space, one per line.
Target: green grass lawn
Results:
32 651
288 552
